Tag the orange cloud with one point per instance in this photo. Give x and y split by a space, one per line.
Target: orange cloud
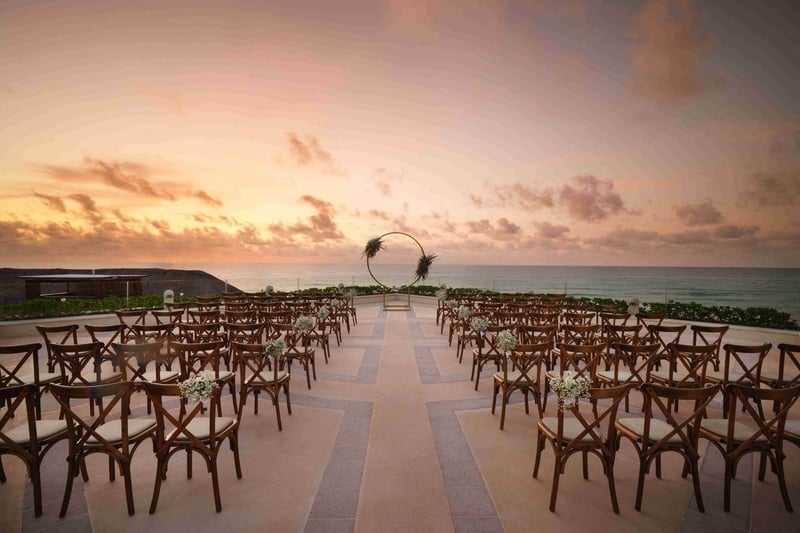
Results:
670 49
702 214
773 189
53 202
308 152
591 199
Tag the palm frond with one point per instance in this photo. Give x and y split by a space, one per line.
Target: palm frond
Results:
424 265
373 247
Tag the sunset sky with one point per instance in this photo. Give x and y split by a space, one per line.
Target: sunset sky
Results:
510 132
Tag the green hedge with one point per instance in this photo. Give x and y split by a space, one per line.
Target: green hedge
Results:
751 316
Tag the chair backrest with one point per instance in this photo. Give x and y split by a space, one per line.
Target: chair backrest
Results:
14 370
189 332
183 307
129 318
204 316
788 365
244 316
538 334
67 334
83 429
255 365
11 399
80 363
688 364
196 357
137 359
665 335
527 361
99 333
168 317
635 359
590 433
767 432
743 363
589 334
578 318
543 316
486 343
709 335
647 320
613 318
248 333
580 359
657 404
625 334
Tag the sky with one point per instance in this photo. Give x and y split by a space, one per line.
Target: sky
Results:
520 132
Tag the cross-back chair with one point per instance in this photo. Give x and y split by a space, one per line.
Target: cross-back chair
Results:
84 365
130 318
298 348
19 365
168 317
709 335
741 364
486 351
630 363
540 334
196 357
734 439
112 432
182 428
660 432
580 359
589 334
619 334
29 441
664 336
259 372
183 307
107 335
521 371
788 372
67 334
687 366
582 434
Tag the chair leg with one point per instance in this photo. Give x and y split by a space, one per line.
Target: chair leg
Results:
554 489
288 399
2 471
640 484
277 409
235 449
126 468
503 411
215 484
36 481
612 489
72 471
782 482
161 472
728 478
494 395
696 482
539 446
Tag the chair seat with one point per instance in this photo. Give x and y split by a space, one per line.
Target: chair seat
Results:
572 428
200 427
658 429
793 427
718 376
608 375
45 429
677 377
107 375
267 376
512 376
112 430
771 376
719 427
44 377
166 375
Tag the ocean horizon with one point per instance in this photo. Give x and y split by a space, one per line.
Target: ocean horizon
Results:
778 288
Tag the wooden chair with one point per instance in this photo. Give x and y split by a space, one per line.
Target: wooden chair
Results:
486 352
788 372
590 334
196 357
183 307
252 333
584 435
21 367
619 334
540 334
129 319
298 348
742 365
83 365
709 335
112 433
146 362
630 363
67 334
168 317
734 439
650 319
181 429
521 371
204 316
660 432
29 441
580 359
107 335
664 336
687 367
258 372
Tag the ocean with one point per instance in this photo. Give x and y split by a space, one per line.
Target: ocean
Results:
777 288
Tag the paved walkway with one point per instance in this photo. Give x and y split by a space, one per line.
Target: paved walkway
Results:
392 437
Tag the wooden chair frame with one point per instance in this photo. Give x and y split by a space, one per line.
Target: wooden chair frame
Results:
196 357
70 336
130 318
86 436
258 372
590 439
19 373
735 360
486 351
630 363
650 444
524 375
709 335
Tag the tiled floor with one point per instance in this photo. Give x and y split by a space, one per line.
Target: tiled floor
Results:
393 437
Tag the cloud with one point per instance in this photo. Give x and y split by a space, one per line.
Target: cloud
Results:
773 189
53 202
308 152
516 194
383 181
702 214
730 231
546 230
320 226
590 199
669 52
503 230
89 206
131 177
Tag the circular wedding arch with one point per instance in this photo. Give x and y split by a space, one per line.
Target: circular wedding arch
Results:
418 276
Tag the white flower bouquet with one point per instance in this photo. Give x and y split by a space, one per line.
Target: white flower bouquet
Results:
335 303
569 389
304 323
479 324
506 341
275 347
464 312
451 303
323 312
199 387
